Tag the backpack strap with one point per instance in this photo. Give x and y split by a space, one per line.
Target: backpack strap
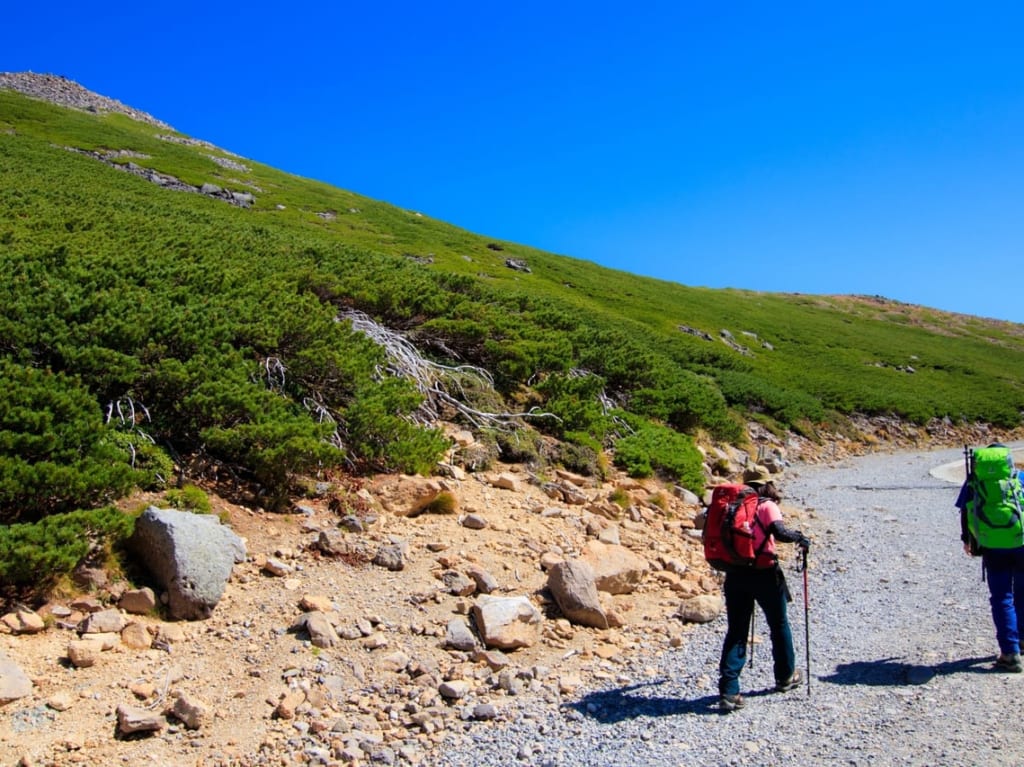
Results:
764 543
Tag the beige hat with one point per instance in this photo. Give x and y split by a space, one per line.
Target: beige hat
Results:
756 475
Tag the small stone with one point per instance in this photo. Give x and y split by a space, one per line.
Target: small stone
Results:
132 720
454 689
474 522
60 701
191 712
84 653
138 601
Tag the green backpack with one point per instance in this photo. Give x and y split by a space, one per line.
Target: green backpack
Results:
995 510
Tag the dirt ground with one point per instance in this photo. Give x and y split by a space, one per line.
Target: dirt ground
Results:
243 660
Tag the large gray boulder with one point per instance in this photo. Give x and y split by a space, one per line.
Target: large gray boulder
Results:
189 555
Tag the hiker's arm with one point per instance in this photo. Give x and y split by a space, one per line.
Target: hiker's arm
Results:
962 500
784 534
965 534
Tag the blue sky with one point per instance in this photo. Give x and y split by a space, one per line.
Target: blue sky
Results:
873 148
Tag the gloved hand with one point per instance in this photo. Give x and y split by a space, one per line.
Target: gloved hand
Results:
804 542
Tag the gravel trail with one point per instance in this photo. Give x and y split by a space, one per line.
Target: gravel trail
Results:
902 646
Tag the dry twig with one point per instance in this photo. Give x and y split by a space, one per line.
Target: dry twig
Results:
442 386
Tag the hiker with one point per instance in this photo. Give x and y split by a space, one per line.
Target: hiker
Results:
995 532
764 584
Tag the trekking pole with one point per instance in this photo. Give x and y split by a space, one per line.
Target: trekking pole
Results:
753 617
807 626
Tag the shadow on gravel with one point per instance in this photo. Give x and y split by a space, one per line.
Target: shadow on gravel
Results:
891 672
613 706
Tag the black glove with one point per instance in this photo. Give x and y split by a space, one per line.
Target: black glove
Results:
804 542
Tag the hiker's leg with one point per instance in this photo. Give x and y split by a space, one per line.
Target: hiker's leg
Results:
772 596
1004 615
739 607
1018 598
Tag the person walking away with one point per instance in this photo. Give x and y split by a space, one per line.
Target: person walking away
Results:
763 584
991 526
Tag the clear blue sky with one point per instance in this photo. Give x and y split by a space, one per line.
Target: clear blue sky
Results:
812 147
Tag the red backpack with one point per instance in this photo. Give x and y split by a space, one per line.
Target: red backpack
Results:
729 528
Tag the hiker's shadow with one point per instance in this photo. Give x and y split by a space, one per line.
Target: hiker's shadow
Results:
621 703
893 672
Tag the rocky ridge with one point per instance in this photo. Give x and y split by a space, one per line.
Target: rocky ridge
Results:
60 90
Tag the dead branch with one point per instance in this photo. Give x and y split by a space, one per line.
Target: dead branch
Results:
440 385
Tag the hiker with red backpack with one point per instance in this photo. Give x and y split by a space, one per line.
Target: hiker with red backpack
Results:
743 523
991 504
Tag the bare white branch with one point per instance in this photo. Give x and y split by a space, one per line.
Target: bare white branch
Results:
442 386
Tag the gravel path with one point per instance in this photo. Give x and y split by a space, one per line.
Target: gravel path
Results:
902 646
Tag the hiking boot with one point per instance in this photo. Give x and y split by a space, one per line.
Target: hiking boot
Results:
731 702
789 684
1009 661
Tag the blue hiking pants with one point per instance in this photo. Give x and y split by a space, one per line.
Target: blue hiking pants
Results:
743 589
1004 571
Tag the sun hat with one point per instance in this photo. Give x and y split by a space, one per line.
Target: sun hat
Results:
756 475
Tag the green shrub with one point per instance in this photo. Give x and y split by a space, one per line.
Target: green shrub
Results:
153 467
580 453
656 449
520 446
620 497
56 454
35 556
222 321
188 498
575 401
443 503
381 434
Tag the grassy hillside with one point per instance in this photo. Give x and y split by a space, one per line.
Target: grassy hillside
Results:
140 324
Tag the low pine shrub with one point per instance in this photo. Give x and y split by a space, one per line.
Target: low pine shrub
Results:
656 449
35 556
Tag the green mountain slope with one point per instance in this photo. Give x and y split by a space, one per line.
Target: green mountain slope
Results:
145 317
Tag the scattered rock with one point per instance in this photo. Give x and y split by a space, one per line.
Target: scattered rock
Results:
474 522
391 556
84 653
131 719
507 623
102 622
455 689
23 622
573 586
457 584
701 609
14 683
136 636
138 601
320 629
190 711
617 570
458 636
